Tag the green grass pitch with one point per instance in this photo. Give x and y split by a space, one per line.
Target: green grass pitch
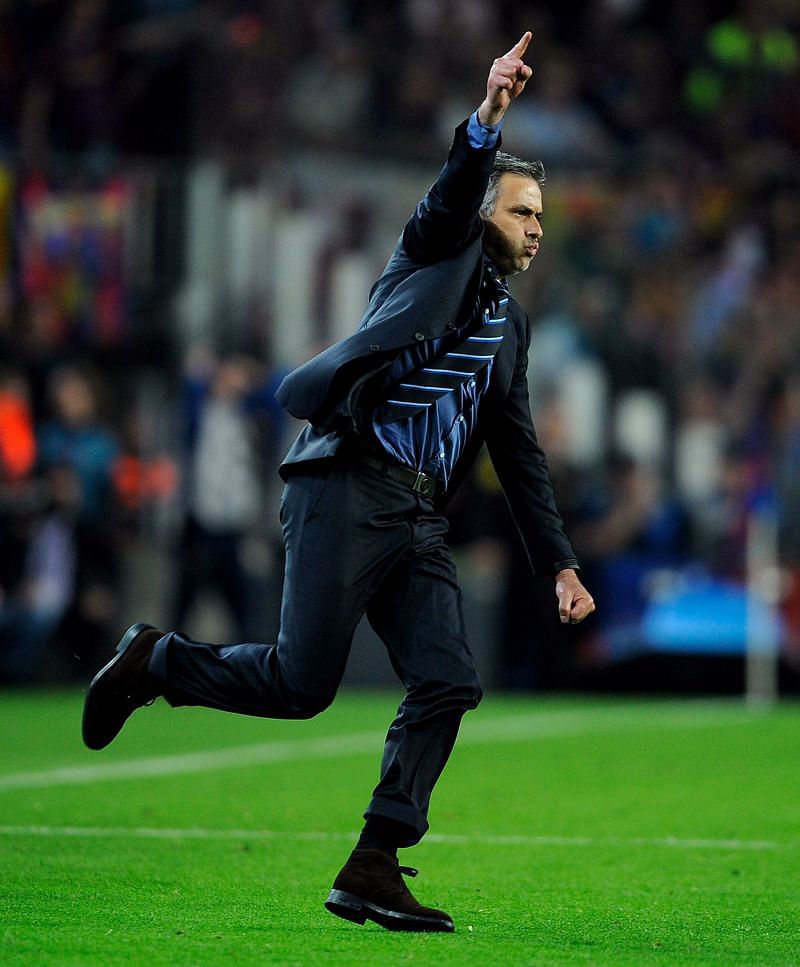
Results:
564 831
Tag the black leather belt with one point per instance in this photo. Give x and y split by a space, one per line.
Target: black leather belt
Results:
420 483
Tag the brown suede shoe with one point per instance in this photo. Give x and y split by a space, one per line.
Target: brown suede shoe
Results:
370 887
120 687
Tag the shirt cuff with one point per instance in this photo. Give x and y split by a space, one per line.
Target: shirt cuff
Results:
482 135
564 565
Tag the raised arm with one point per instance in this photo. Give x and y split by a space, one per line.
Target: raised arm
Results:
447 219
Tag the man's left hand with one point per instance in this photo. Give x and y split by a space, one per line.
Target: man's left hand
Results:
574 601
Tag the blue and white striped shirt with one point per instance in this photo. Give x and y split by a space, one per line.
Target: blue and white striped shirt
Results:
433 440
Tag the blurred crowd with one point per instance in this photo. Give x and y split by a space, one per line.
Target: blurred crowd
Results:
714 81
670 277
60 467
83 477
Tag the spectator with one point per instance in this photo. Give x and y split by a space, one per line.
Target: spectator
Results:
75 437
66 592
232 424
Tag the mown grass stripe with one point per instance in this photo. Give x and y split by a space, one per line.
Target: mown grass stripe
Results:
476 731
192 833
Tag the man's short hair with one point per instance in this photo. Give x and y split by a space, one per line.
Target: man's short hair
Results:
507 164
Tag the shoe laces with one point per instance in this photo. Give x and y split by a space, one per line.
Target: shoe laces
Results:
139 700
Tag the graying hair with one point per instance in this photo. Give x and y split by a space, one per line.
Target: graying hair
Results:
507 164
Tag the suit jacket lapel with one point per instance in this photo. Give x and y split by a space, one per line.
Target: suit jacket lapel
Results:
505 359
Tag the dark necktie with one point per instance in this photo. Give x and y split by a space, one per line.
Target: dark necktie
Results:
449 370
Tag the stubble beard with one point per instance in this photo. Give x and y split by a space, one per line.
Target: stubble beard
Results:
506 256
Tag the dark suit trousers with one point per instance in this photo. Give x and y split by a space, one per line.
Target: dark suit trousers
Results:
356 542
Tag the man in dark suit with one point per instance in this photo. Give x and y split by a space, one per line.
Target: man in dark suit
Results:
396 413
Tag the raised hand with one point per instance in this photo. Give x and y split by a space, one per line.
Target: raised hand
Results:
507 80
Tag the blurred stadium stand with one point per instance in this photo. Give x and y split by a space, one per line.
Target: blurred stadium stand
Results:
194 196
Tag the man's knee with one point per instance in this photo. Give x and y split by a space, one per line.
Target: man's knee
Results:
471 693
440 697
467 690
304 702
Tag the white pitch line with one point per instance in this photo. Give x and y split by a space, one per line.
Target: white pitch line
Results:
207 761
199 833
477 731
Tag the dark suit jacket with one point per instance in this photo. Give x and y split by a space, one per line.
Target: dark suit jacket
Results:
430 285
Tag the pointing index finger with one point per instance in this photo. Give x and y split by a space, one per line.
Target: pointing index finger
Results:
518 50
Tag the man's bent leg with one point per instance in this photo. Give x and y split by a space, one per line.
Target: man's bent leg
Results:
337 553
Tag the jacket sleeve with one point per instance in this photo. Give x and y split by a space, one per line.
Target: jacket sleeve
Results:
447 219
521 467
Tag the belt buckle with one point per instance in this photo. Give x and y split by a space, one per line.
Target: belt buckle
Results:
424 485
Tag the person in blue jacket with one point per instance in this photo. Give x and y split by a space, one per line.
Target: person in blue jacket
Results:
396 413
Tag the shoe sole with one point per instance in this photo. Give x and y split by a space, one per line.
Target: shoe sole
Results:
357 910
96 686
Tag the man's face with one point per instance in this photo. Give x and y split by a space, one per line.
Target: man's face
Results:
513 230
